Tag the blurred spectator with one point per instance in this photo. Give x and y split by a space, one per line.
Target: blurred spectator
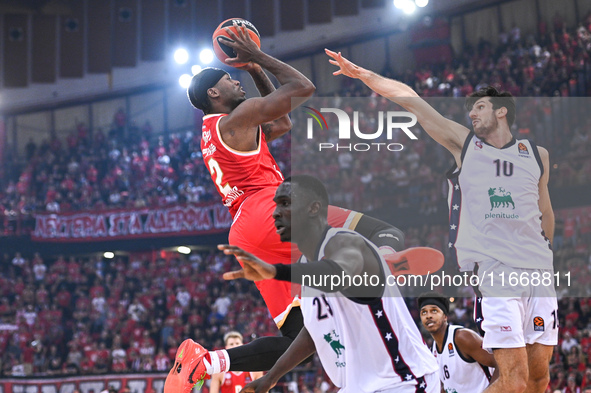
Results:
568 342
136 310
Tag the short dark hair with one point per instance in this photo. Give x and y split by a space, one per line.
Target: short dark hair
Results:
313 186
498 100
435 299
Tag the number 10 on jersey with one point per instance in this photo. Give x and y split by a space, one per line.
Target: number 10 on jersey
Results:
506 166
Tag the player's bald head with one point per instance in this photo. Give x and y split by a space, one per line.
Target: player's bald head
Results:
310 189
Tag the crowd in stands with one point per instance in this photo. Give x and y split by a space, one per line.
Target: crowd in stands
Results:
107 172
90 315
128 314
554 62
127 167
120 169
93 315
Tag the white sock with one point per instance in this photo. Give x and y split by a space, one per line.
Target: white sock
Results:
220 362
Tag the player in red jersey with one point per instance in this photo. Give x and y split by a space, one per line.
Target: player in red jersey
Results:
235 134
232 381
247 181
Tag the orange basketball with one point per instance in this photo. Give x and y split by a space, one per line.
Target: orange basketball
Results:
220 37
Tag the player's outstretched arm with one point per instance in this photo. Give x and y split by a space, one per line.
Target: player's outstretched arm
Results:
294 85
254 269
301 348
544 202
449 134
350 253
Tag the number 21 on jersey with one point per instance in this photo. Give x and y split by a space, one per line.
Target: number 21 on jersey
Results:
323 309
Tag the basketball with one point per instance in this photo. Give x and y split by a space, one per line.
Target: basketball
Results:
220 38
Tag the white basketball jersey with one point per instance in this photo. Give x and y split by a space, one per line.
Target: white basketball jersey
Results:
458 374
365 347
493 202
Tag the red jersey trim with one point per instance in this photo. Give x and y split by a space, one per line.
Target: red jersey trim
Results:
228 148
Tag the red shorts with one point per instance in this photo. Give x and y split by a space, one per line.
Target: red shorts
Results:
254 231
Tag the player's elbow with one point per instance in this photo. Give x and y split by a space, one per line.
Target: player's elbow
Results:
300 92
311 87
306 88
286 124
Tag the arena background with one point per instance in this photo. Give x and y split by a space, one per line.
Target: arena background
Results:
101 178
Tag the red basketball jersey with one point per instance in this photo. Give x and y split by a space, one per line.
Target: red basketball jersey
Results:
237 174
235 381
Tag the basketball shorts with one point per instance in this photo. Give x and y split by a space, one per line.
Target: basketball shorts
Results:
429 383
254 231
517 306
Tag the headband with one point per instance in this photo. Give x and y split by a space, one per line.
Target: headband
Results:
201 82
435 299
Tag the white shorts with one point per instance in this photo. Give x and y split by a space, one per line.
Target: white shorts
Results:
519 306
431 385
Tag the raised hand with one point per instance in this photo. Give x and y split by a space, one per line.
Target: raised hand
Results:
253 268
346 67
245 48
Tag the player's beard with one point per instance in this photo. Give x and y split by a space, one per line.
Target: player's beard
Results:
238 101
435 328
485 129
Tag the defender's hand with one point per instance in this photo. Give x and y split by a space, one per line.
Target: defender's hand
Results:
347 67
253 268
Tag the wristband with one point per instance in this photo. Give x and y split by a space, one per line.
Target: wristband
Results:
282 272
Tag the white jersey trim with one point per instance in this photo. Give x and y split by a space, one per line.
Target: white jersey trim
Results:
234 151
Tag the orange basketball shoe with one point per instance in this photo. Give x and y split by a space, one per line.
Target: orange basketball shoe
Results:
415 261
188 370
